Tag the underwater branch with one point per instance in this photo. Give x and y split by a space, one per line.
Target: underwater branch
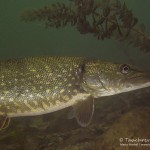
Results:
105 19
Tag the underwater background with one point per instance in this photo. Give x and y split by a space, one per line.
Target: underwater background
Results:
21 39
119 116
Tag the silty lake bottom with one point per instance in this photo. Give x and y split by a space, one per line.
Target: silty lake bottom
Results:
116 118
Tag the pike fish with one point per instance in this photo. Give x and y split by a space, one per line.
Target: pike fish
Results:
40 85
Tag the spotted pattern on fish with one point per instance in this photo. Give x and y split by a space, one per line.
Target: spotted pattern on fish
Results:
37 84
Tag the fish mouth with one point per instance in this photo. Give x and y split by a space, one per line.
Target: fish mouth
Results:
142 79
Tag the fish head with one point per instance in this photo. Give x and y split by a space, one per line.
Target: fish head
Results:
106 78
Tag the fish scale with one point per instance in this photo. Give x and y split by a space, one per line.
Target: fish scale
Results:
40 85
36 84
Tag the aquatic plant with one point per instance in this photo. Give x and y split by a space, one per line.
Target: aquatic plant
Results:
105 19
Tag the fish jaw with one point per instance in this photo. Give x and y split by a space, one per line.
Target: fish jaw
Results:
105 78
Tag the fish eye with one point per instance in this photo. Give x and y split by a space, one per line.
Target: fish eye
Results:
125 69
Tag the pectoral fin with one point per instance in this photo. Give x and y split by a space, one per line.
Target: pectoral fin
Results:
83 111
4 122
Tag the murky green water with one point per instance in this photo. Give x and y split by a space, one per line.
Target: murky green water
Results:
19 39
54 131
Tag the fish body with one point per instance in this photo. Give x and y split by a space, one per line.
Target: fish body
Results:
33 86
39 85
